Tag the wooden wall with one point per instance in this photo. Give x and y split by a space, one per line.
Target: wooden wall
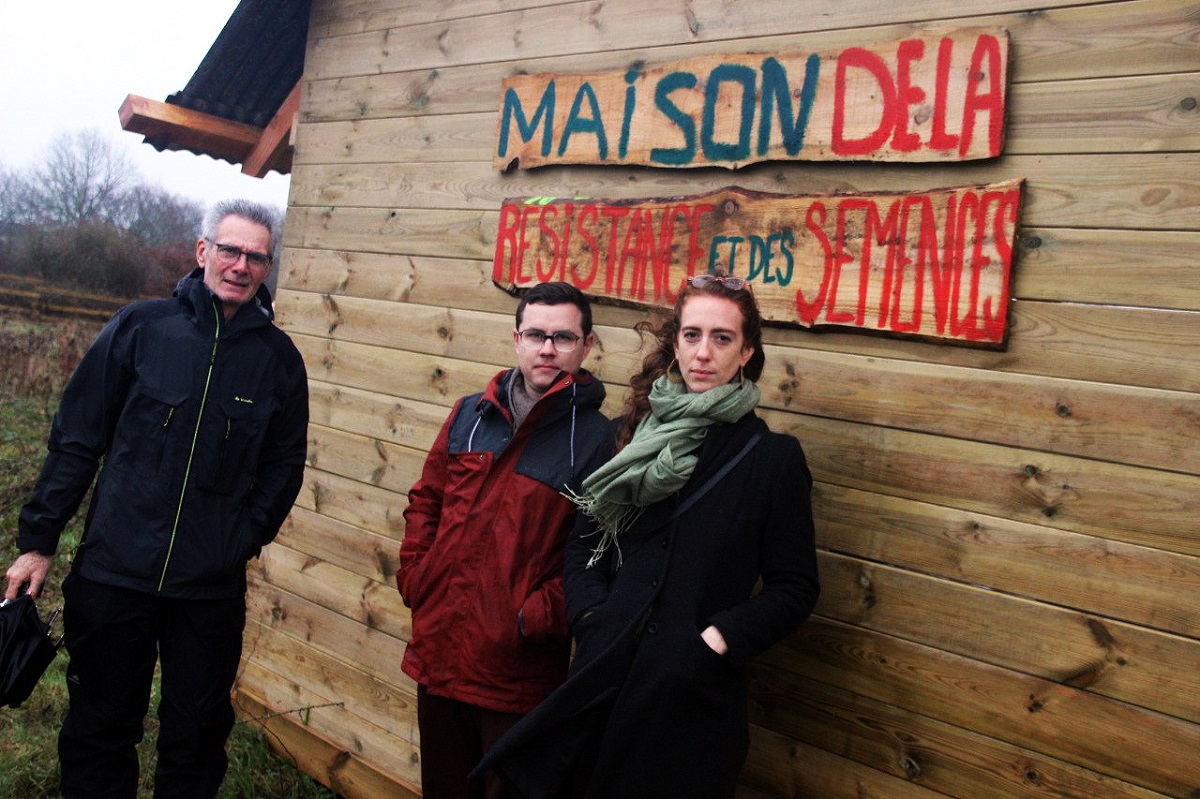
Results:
1010 540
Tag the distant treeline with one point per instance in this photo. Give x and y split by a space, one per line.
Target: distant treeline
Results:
82 220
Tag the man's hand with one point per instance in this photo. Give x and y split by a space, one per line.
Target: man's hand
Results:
31 568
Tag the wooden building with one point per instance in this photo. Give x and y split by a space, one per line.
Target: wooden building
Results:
1009 537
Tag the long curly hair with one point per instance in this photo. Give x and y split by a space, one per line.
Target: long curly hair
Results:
664 330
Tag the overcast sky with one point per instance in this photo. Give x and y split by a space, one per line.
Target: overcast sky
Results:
67 65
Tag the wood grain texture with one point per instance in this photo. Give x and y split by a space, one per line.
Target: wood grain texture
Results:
1008 538
1059 721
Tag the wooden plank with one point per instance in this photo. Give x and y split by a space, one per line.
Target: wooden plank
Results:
338 768
1135 505
365 600
307 622
393 372
1061 342
446 138
1120 424
362 694
1141 585
579 29
781 766
405 422
1139 426
367 460
1140 746
201 133
441 332
273 148
463 284
1092 41
1130 346
1128 267
466 335
1138 506
356 549
916 749
1120 192
357 16
1104 115
353 502
1129 114
388 754
1133 268
1110 658
1072 341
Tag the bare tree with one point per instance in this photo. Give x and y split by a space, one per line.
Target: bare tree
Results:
83 179
158 218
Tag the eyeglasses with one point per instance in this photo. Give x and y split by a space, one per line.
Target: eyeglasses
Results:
564 341
728 281
228 255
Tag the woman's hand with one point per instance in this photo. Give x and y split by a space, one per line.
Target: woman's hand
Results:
716 642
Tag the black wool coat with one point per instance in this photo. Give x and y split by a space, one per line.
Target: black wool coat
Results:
649 709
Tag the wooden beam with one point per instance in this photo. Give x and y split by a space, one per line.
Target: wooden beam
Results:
183 128
273 150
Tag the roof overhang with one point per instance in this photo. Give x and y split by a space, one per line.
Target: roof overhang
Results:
241 104
172 127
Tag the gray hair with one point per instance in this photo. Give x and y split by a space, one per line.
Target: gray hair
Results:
259 213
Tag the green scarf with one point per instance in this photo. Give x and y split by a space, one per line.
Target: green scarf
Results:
660 457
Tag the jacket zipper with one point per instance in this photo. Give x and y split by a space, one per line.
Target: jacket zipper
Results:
212 358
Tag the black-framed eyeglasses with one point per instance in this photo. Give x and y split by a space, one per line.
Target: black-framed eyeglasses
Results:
564 340
728 281
228 255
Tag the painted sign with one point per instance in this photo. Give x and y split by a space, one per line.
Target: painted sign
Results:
936 98
932 264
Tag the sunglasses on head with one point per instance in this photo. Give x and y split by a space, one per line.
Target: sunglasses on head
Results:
728 281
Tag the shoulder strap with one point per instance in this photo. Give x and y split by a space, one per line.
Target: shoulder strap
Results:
716 478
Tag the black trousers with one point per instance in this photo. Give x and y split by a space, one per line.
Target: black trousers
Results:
114 637
454 737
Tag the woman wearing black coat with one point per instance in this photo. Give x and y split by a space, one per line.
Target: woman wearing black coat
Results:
701 502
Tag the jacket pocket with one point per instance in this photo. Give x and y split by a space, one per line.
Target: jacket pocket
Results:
242 427
150 421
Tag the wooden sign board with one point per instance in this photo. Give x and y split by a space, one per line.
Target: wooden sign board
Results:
936 98
934 265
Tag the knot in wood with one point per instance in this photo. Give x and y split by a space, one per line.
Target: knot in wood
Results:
911 767
1188 103
729 207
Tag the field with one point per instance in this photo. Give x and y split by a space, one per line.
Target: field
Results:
36 357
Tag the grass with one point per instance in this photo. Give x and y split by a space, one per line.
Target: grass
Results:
29 734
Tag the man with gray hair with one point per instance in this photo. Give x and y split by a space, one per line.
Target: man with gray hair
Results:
197 407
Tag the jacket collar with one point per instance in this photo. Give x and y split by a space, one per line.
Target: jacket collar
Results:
192 291
587 390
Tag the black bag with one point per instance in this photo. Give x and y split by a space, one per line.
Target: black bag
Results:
26 649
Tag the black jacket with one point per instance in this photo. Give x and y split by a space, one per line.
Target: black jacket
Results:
201 427
649 709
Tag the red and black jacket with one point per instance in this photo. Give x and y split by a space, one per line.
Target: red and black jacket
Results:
481 564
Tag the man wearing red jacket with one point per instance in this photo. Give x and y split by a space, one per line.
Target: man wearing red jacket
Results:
481 564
